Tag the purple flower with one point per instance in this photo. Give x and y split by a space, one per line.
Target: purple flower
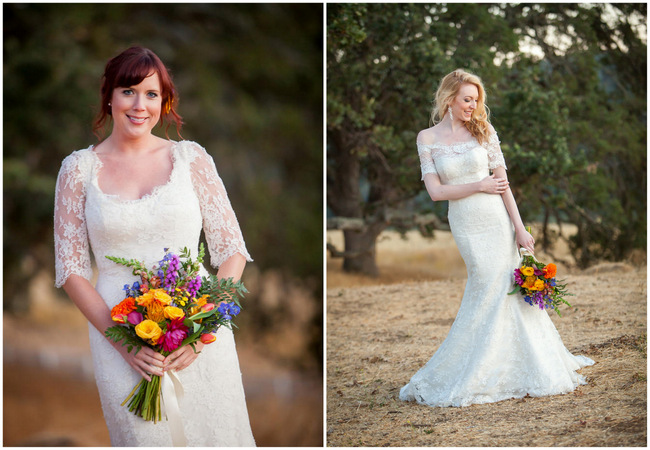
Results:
176 332
171 272
538 272
134 317
193 286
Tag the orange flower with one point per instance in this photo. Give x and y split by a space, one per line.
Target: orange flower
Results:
208 338
123 308
198 303
156 311
202 300
145 299
550 270
529 283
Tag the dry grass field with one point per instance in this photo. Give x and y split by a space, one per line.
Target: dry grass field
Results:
381 331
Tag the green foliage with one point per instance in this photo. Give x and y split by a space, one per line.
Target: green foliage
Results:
126 335
571 121
137 266
224 289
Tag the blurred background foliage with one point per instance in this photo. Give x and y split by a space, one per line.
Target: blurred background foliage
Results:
566 85
250 78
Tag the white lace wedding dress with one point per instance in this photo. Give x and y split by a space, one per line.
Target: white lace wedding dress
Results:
499 347
213 408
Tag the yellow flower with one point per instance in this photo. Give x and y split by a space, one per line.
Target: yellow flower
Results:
527 271
155 311
149 330
145 299
529 283
539 285
161 296
172 312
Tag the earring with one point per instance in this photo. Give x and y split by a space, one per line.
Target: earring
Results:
451 116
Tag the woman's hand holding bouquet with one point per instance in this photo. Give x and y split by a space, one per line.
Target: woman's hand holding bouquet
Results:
167 317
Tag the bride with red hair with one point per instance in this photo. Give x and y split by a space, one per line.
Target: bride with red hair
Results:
134 194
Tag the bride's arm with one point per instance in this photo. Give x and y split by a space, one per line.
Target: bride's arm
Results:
524 238
233 267
437 191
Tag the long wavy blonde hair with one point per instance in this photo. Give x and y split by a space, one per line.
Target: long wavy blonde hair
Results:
479 124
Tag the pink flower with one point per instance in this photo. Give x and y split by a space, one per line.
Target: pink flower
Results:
207 307
176 332
119 318
518 278
208 338
134 317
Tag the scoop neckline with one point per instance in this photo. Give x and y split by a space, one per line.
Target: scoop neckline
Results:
154 191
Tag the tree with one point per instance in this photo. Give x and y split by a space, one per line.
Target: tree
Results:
558 117
383 61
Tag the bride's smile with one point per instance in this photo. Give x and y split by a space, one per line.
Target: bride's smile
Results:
136 109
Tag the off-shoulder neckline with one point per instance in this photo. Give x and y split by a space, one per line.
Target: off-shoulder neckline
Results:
473 140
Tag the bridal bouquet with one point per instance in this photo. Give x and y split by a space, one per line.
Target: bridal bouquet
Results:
537 283
171 306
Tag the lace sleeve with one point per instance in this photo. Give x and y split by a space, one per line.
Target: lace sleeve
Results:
426 160
220 224
495 156
71 248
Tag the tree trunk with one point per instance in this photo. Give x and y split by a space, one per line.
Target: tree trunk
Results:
361 248
344 197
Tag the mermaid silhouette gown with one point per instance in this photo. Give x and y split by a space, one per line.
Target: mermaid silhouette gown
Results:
499 347
213 408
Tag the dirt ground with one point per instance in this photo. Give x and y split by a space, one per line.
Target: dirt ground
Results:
381 331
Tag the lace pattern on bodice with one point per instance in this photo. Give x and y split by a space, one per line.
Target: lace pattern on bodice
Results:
430 153
194 180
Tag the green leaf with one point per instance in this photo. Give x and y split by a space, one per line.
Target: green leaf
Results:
126 335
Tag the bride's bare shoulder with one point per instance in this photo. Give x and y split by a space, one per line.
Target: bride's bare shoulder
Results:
428 136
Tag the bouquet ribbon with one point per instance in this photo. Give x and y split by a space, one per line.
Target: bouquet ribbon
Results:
172 392
525 252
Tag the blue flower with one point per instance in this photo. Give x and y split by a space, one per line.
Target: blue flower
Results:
228 310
